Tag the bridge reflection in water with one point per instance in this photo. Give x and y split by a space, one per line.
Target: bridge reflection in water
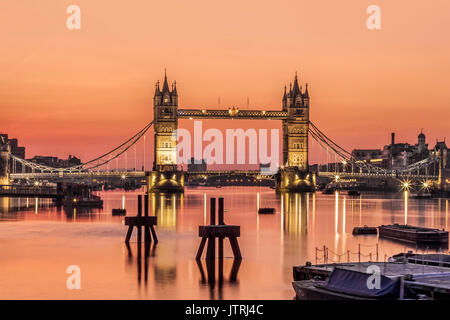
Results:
270 244
165 206
295 212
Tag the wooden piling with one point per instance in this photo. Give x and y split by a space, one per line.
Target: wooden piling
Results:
146 221
220 231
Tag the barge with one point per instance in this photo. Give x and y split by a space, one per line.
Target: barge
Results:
119 212
364 230
266 210
415 235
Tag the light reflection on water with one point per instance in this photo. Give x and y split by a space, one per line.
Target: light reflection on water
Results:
38 241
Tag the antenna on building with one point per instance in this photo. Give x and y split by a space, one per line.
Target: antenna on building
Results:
248 102
219 101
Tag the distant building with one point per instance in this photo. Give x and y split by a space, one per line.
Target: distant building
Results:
55 162
400 155
372 156
395 155
16 150
196 165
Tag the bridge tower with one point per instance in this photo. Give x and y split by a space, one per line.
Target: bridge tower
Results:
294 175
5 151
165 176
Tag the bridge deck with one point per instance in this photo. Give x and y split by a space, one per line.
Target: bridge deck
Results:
232 114
262 174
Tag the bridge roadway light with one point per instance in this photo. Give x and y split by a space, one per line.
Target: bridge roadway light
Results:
123 177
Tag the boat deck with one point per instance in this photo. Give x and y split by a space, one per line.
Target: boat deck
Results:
389 269
432 282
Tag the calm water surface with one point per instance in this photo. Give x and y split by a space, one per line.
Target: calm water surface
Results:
38 242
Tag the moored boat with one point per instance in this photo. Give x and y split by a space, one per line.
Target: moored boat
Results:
421 195
354 193
266 210
413 234
355 281
119 212
92 202
344 284
364 230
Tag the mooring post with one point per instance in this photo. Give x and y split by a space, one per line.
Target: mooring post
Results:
235 247
211 250
129 232
221 231
221 222
142 221
138 226
147 236
377 252
212 213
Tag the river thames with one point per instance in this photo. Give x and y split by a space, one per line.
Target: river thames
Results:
39 241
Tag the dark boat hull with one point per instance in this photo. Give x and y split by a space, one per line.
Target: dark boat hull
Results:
364 230
307 290
414 235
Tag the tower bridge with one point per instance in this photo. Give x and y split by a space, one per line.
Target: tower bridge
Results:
293 175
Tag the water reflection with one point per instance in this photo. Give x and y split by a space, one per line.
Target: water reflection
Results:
270 244
294 213
211 281
165 207
149 251
14 208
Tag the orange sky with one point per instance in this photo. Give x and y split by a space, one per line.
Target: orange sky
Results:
84 91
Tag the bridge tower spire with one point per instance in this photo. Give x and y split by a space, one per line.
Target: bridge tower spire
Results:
165 175
294 174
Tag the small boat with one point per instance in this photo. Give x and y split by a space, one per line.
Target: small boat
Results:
365 230
266 210
328 191
412 234
354 193
350 281
345 284
119 212
93 202
421 195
